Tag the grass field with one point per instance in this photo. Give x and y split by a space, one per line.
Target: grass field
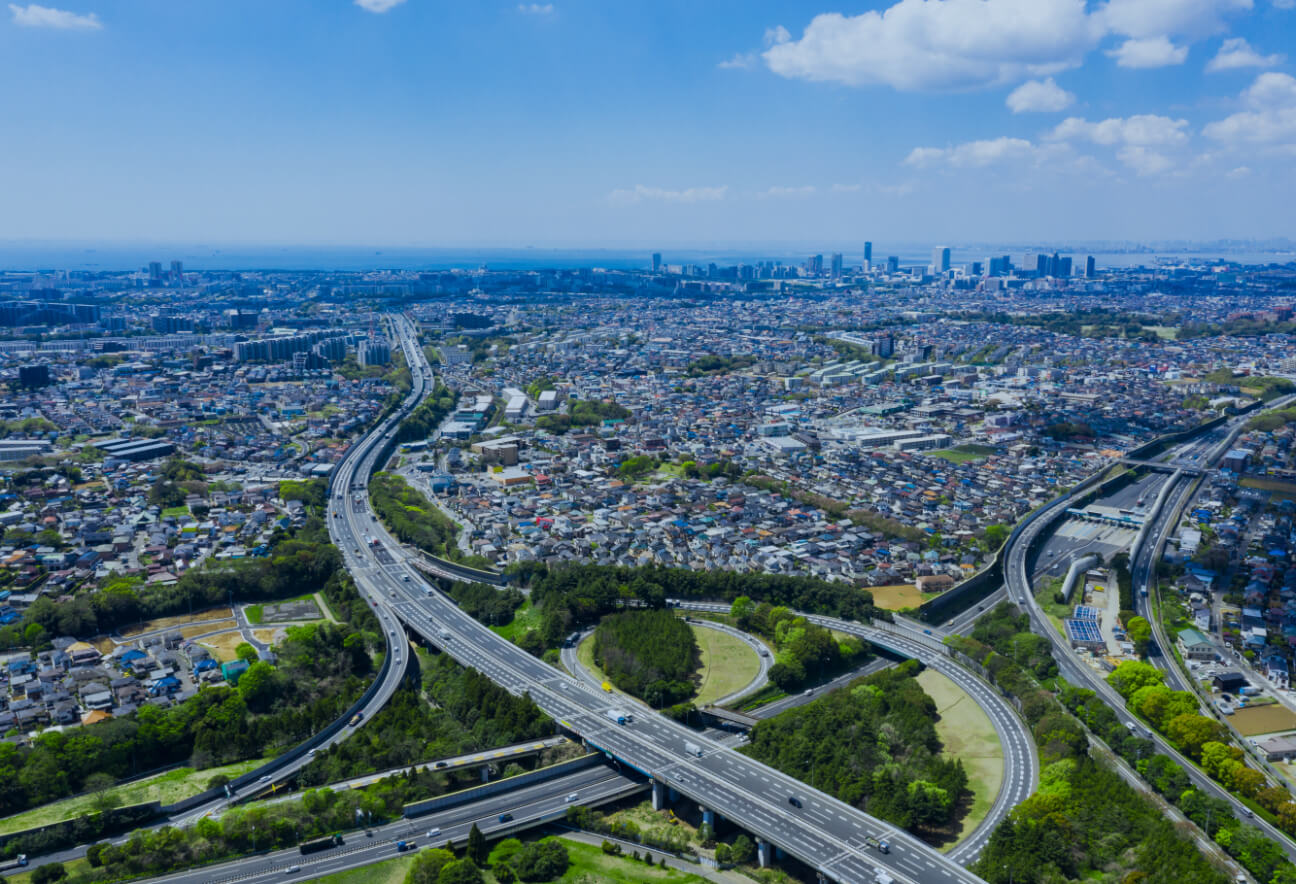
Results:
585 654
392 871
167 788
963 453
79 866
968 735
179 620
525 618
1269 719
728 664
899 597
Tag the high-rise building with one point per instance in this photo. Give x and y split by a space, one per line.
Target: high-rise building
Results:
656 262
815 265
977 267
177 271
836 265
1091 269
1041 265
155 271
1001 266
940 259
884 346
868 255
1062 268
893 264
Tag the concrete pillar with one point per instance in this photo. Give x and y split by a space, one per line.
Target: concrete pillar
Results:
708 817
763 853
672 795
485 773
658 795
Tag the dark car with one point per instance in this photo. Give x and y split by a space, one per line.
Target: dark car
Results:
794 801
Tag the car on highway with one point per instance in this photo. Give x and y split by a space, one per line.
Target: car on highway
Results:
505 817
433 832
572 797
794 801
292 870
264 779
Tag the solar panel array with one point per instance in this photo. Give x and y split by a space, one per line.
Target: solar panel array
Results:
1083 631
1087 612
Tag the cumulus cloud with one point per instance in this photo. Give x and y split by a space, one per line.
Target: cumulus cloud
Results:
1148 52
1039 95
1140 129
640 193
961 44
1155 18
940 44
1269 117
1237 53
535 8
378 6
973 154
34 16
743 61
846 188
1143 160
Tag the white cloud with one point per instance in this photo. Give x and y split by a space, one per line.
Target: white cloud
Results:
778 35
743 61
779 191
1148 52
1143 160
846 188
1141 129
535 8
1155 18
639 193
378 6
1285 4
1239 172
1237 53
1039 95
33 16
1269 119
940 44
973 154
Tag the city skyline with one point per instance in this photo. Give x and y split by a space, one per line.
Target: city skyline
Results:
406 123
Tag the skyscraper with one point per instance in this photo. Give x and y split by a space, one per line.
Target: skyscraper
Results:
177 271
815 265
1041 265
836 265
868 255
940 259
893 264
656 262
155 271
1091 269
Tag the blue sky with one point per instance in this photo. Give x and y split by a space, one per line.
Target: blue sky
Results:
661 122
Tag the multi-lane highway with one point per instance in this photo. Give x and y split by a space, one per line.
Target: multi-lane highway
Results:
826 834
1197 451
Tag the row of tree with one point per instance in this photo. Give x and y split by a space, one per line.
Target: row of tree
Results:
806 651
649 653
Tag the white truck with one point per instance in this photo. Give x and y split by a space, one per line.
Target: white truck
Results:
617 716
693 749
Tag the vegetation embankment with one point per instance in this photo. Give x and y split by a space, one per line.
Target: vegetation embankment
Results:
582 413
648 653
1085 821
415 520
806 652
428 415
873 745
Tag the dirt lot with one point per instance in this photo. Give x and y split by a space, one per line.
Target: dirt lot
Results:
1263 720
223 645
179 620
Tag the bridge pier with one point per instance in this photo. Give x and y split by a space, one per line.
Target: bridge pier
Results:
658 795
763 853
708 817
485 773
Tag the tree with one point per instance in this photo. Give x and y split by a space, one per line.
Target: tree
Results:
1191 732
460 871
1140 632
245 651
995 535
100 785
743 850
48 873
477 850
1131 675
258 686
427 866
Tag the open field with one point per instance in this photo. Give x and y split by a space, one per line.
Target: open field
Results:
1269 719
968 735
223 645
179 620
265 635
166 787
585 654
525 618
899 597
963 453
728 664
1279 488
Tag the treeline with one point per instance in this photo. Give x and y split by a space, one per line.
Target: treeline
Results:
712 364
300 562
649 653
311 492
873 745
428 415
806 651
486 711
582 413
575 594
491 605
1084 818
412 517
